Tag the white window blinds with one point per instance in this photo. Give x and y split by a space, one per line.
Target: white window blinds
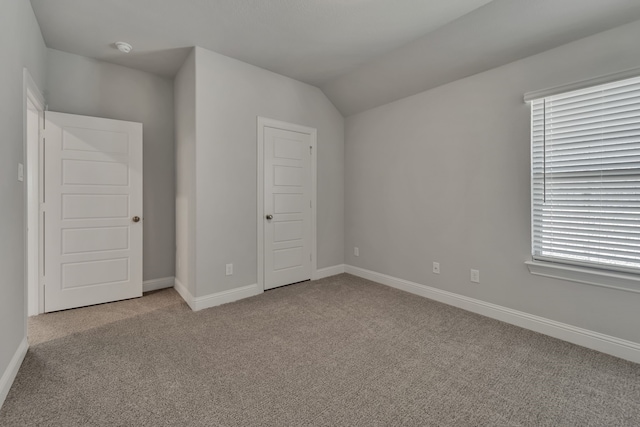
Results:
585 160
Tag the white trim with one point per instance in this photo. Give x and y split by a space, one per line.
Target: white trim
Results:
224 297
329 271
263 122
34 292
184 293
589 276
155 284
582 84
621 348
260 202
219 298
12 370
30 86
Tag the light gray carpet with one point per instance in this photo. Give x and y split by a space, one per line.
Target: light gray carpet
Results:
340 351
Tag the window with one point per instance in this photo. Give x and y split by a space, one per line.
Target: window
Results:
585 170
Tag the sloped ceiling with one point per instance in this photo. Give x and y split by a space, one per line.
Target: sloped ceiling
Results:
503 31
361 53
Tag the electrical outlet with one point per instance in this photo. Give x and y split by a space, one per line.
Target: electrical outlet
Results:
436 268
356 251
475 276
229 269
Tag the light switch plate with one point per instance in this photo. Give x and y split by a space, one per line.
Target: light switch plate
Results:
20 172
475 276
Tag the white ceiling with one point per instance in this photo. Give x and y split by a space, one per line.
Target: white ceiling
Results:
308 40
362 53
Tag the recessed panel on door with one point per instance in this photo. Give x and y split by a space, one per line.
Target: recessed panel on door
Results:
95 206
288 203
79 240
285 148
284 231
97 140
288 258
91 172
288 176
89 273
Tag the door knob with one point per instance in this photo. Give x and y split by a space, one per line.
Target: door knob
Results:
269 216
136 219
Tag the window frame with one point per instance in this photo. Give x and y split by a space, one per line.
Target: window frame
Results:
576 271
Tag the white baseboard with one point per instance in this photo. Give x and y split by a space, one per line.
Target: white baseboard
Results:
12 370
184 293
329 271
224 297
219 298
623 349
155 284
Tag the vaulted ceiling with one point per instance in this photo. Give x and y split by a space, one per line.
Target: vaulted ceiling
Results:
361 53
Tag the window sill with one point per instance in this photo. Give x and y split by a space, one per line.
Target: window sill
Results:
589 276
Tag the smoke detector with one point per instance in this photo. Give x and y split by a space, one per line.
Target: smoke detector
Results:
124 47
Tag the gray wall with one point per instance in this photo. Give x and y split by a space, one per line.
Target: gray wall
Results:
230 95
444 176
21 45
185 119
80 85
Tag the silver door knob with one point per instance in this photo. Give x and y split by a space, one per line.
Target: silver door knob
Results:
269 217
136 219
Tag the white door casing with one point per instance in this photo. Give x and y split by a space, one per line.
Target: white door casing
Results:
34 124
92 199
286 203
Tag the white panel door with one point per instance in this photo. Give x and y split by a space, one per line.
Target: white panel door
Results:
92 210
287 207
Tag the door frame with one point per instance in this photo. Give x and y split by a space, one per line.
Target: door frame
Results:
34 292
263 122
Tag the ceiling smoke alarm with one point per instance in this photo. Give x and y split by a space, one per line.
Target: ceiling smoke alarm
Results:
124 47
